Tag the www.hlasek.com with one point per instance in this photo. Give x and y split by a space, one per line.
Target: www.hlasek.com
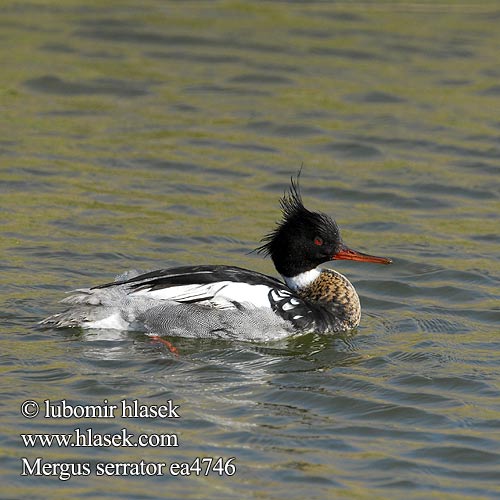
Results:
88 438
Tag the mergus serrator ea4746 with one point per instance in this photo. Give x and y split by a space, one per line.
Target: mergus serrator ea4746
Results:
231 302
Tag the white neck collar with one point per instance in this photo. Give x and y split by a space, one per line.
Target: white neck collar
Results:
302 280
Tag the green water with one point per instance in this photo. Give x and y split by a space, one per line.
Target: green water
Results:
153 134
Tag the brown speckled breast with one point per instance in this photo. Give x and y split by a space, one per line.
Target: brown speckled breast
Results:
337 295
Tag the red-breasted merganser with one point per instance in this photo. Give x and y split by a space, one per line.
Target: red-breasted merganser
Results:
231 302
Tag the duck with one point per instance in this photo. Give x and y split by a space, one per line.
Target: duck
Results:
230 302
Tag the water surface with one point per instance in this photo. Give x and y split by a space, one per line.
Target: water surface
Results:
160 134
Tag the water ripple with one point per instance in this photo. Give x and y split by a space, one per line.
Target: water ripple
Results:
55 85
163 134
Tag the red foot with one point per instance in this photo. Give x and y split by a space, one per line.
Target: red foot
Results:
170 346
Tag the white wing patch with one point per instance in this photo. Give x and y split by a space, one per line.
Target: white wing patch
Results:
222 294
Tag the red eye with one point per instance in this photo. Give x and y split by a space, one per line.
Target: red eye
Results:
318 241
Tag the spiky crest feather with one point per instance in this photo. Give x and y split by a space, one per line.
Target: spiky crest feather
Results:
292 207
291 204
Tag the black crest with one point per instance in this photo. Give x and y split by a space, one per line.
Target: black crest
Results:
291 206
298 228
